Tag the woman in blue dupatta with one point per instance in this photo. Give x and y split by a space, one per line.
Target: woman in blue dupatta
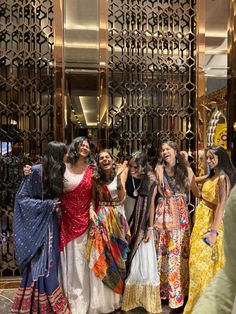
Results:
36 234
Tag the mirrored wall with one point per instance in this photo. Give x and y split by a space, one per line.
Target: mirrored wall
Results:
213 72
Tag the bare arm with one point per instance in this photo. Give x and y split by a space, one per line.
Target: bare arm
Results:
151 217
201 179
92 213
159 173
121 180
223 189
222 197
192 183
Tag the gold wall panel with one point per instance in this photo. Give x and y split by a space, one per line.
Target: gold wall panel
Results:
26 102
152 83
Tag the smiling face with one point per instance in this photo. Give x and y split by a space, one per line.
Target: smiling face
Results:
105 161
168 154
212 159
133 168
84 149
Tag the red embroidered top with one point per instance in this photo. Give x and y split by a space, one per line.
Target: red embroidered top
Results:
75 209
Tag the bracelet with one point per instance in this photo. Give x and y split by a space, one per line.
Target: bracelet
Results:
213 231
150 228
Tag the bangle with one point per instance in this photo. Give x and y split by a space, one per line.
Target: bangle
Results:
150 228
213 231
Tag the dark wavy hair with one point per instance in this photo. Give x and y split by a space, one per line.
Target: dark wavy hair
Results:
98 175
141 160
53 169
73 150
224 164
180 169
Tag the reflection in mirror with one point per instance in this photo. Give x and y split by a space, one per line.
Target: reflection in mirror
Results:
213 47
82 68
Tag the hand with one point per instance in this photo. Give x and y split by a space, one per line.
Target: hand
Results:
212 238
184 154
27 170
152 176
147 236
56 207
121 168
92 215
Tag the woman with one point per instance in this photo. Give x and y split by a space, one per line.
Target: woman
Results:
220 294
107 245
75 204
140 183
35 226
171 224
141 285
206 245
132 185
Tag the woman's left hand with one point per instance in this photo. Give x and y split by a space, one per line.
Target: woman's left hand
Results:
212 237
121 168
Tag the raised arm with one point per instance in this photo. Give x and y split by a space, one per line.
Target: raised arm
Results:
122 172
201 179
192 182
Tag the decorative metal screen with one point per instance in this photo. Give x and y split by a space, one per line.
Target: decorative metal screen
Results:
151 74
26 102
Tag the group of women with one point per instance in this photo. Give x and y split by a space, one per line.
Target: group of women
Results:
92 236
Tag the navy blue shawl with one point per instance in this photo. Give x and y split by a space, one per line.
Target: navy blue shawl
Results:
31 225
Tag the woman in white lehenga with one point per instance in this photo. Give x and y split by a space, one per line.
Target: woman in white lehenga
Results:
107 245
75 203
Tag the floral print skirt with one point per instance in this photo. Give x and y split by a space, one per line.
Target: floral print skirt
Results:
172 236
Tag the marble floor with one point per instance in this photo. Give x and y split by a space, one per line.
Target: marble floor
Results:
7 295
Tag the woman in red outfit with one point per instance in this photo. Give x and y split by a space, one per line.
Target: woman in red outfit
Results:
75 204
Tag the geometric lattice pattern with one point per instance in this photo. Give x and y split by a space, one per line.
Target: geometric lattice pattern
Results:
26 102
152 88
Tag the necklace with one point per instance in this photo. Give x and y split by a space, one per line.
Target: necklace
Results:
135 192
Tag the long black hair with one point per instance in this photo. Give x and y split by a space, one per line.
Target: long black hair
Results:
73 150
53 169
141 160
224 164
180 169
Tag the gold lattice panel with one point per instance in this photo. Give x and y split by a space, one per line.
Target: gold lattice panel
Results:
151 73
26 102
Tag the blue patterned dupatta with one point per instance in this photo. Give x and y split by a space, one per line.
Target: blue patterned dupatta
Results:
36 235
